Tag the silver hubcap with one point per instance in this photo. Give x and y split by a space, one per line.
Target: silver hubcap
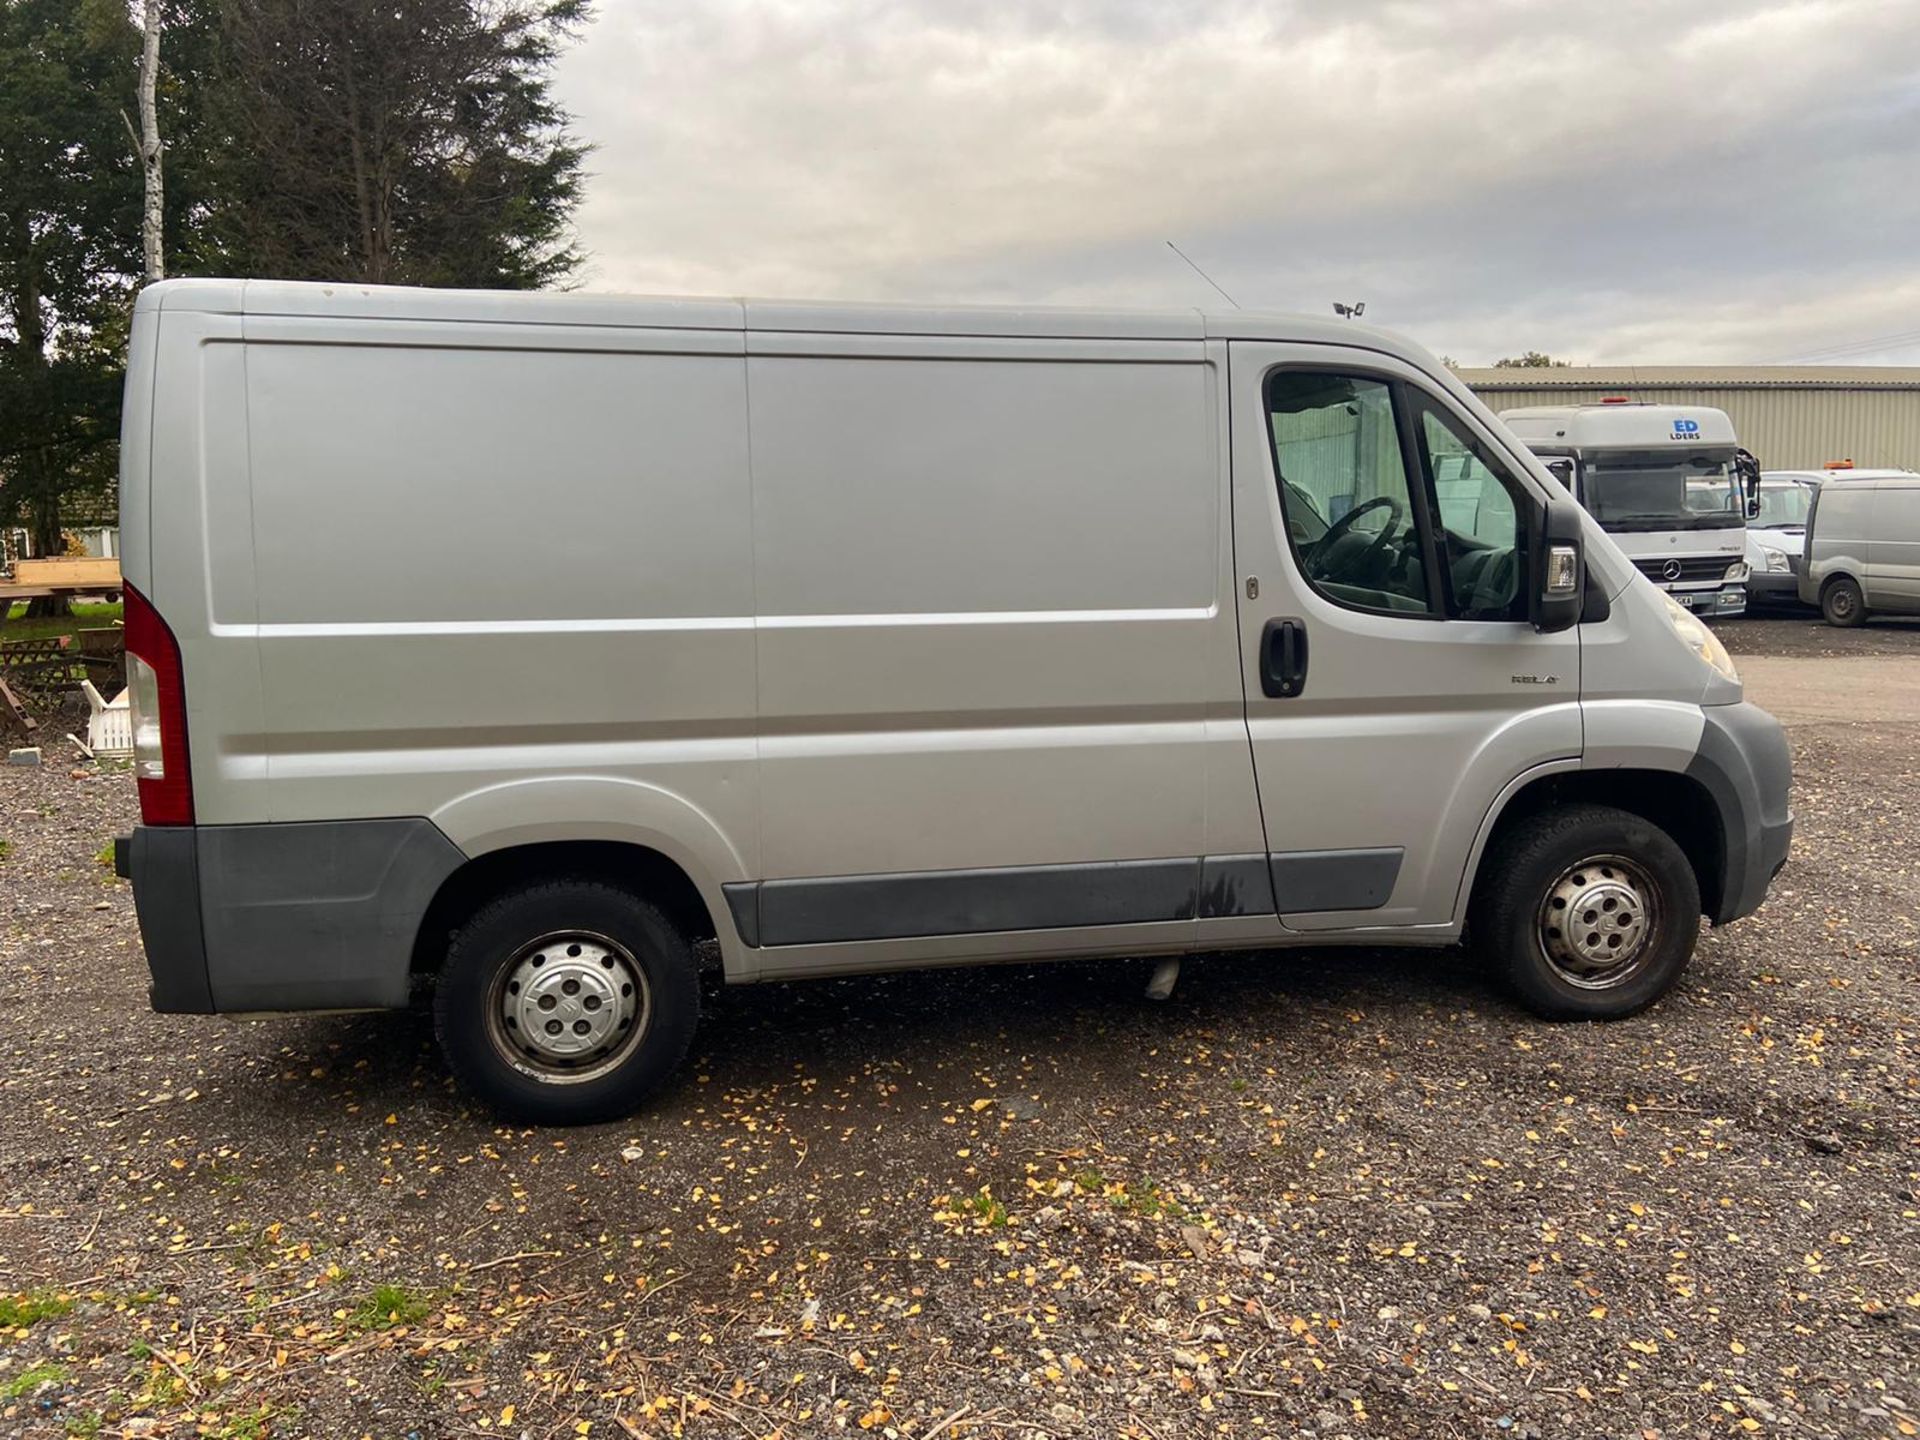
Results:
1599 921
568 1007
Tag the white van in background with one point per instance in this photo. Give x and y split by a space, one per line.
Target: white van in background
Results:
1662 481
864 637
1863 545
1777 536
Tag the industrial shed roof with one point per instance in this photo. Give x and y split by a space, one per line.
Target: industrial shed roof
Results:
1729 377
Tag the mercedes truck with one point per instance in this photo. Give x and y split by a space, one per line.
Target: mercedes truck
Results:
1665 481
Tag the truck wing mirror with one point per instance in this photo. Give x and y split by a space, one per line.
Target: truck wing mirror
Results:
1559 570
1748 469
1561 468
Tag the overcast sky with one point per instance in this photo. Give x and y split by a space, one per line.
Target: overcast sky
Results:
1635 181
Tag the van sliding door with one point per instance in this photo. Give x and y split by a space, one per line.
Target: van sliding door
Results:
989 584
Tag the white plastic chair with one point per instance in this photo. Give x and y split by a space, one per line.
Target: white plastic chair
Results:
110 726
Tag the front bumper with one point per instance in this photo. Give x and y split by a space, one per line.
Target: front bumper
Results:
293 916
1743 763
1728 600
1773 585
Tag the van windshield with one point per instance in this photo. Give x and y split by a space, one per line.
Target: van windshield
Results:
1663 490
1783 507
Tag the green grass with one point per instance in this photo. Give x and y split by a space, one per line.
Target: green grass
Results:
388 1306
19 1311
31 1379
6 848
1149 1200
983 1207
84 617
251 1425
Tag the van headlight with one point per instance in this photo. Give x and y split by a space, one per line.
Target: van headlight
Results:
1700 639
1773 560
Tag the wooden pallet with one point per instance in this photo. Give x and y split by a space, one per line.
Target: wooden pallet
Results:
67 571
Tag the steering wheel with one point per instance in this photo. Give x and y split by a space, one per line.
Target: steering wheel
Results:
1340 527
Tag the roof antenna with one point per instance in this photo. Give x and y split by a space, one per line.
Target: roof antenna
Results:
1202 274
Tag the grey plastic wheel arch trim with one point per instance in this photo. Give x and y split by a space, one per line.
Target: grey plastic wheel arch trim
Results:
906 905
1744 764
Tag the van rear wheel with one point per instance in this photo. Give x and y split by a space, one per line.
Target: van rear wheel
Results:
567 1002
1592 912
1842 604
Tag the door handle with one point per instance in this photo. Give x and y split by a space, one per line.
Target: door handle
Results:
1283 658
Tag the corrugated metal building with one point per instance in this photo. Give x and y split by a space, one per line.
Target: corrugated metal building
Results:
1794 417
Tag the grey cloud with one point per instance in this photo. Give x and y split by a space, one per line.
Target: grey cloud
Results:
1660 181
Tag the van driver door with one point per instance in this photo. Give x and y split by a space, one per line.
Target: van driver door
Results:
1394 683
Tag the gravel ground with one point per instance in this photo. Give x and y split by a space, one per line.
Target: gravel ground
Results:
1327 1193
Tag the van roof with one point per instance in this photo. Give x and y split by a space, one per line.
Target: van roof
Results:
546 307
1821 477
1631 424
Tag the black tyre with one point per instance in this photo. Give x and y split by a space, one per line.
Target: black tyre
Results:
566 1002
1842 604
1591 912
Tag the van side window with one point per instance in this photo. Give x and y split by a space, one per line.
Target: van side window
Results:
1353 520
1482 539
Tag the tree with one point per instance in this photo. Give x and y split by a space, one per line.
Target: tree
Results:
146 143
381 143
1532 360
69 230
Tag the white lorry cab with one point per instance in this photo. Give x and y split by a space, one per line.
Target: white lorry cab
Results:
516 643
1662 480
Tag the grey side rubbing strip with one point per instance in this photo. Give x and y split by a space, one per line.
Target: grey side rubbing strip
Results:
306 915
1309 880
899 906
965 902
1235 885
743 899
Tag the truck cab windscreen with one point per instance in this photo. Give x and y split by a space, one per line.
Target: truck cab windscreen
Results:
1660 490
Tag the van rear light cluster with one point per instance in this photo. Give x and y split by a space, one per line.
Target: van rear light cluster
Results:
157 698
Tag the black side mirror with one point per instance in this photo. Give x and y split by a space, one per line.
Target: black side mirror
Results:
1748 469
1559 571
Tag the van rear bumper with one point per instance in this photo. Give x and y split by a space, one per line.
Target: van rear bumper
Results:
296 916
1744 765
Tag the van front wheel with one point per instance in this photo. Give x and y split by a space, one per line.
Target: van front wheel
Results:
566 1003
1842 604
1592 912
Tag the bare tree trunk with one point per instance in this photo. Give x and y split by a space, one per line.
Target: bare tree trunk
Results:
146 145
362 185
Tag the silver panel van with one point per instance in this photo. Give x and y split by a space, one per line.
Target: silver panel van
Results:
1863 545
519 642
